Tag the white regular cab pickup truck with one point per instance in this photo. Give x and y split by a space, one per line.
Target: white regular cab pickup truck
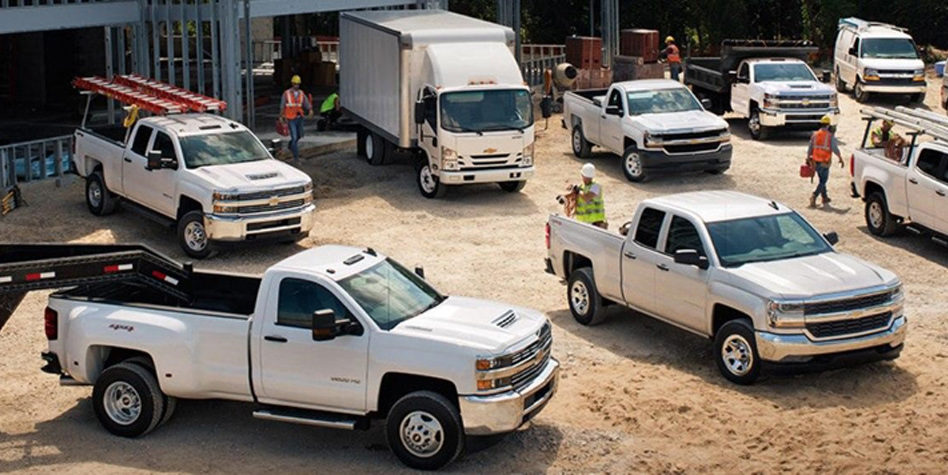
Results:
911 192
656 126
207 174
749 273
332 337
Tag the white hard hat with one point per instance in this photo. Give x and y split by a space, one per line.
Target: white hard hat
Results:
589 170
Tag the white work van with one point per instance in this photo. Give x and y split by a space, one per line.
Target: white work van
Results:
877 58
443 86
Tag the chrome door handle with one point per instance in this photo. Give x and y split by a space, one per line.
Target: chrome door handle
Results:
129 160
629 255
275 338
939 193
662 267
913 181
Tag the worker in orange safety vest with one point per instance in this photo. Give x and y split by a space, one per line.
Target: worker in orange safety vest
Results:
823 145
672 54
294 105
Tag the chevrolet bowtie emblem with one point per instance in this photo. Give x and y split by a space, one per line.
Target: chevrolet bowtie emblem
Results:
274 201
490 150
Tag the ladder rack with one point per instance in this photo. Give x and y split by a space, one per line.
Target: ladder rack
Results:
920 121
150 95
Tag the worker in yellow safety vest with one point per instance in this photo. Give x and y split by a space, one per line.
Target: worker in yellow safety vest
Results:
590 207
329 112
823 145
672 54
294 105
893 143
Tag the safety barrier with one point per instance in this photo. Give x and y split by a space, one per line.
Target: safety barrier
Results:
35 160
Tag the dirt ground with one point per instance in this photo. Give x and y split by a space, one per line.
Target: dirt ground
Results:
636 395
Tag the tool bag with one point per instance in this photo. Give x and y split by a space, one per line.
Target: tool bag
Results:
806 171
283 128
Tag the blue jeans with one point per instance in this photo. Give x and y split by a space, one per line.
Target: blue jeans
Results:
675 70
823 173
296 133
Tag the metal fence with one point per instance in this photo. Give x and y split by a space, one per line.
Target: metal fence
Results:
535 58
35 160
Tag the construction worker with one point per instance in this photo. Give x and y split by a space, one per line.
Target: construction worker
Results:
329 110
293 104
673 56
884 137
590 207
823 145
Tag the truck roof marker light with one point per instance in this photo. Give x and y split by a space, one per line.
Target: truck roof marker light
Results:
116 268
40 276
164 277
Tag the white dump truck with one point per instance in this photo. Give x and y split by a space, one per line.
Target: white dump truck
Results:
443 86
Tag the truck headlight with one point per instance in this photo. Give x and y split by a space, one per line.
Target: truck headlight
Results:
449 159
225 209
485 364
226 196
870 74
770 101
308 187
652 141
785 315
919 75
726 136
834 100
527 156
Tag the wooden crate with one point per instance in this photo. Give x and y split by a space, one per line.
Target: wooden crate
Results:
584 52
593 79
640 43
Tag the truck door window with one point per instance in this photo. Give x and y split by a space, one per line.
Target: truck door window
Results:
856 46
743 72
683 235
650 224
929 161
431 108
164 145
615 100
140 143
299 299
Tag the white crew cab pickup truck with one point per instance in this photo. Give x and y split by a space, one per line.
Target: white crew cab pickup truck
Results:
332 337
656 126
208 175
749 273
911 192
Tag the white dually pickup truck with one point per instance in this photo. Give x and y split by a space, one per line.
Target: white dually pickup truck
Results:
331 337
206 174
747 272
656 126
911 192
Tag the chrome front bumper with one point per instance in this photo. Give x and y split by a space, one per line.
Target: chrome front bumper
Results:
779 118
499 413
239 228
797 348
485 176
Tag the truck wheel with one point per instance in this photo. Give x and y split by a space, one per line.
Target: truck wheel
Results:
374 149
424 430
192 235
512 186
361 134
632 165
757 131
127 400
736 350
918 98
878 219
585 303
429 184
840 83
99 199
859 92
581 146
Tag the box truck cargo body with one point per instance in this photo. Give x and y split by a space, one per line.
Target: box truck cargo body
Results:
442 85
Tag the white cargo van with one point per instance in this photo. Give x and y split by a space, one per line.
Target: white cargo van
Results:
442 85
877 58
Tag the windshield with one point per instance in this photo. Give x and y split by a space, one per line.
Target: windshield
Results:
902 48
782 72
661 101
390 294
221 149
765 238
482 111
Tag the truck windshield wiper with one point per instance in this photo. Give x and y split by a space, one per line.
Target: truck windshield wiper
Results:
476 131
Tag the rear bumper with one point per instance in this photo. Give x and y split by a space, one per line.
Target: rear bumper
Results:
242 228
803 118
776 348
505 412
498 175
658 161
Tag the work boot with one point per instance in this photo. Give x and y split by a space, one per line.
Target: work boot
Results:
812 201
826 200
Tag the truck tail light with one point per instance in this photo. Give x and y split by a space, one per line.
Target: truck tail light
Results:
852 164
51 323
547 235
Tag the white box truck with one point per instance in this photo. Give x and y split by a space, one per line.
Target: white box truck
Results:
444 86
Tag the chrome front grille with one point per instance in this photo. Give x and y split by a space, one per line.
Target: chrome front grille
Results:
539 352
265 195
267 208
850 327
844 305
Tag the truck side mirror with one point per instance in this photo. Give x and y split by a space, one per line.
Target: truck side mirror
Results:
732 76
852 51
324 325
154 160
706 103
690 257
832 237
420 271
420 112
613 110
275 146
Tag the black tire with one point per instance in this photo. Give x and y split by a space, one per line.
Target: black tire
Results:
878 218
859 94
123 383
585 303
632 166
428 184
757 130
581 147
430 410
918 98
170 401
99 199
735 350
840 83
375 149
361 134
512 186
192 235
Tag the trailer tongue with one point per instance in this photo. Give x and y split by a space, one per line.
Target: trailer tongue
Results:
27 267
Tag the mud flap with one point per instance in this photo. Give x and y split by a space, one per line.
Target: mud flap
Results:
8 304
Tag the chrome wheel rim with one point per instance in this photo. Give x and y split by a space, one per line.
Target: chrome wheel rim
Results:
577 140
427 180
737 355
875 215
122 403
94 194
579 297
859 92
369 147
633 164
421 434
195 236
754 124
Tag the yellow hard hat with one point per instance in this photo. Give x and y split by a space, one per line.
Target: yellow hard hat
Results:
826 120
669 39
888 121
295 79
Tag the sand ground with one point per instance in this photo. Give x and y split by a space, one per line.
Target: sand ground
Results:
636 395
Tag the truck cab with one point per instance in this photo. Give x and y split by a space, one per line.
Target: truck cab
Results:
877 58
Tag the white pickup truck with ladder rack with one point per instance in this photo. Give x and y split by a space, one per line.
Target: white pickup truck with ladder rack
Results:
206 174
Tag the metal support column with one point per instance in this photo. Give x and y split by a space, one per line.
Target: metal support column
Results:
169 41
185 53
610 31
248 66
515 24
199 46
109 69
230 58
